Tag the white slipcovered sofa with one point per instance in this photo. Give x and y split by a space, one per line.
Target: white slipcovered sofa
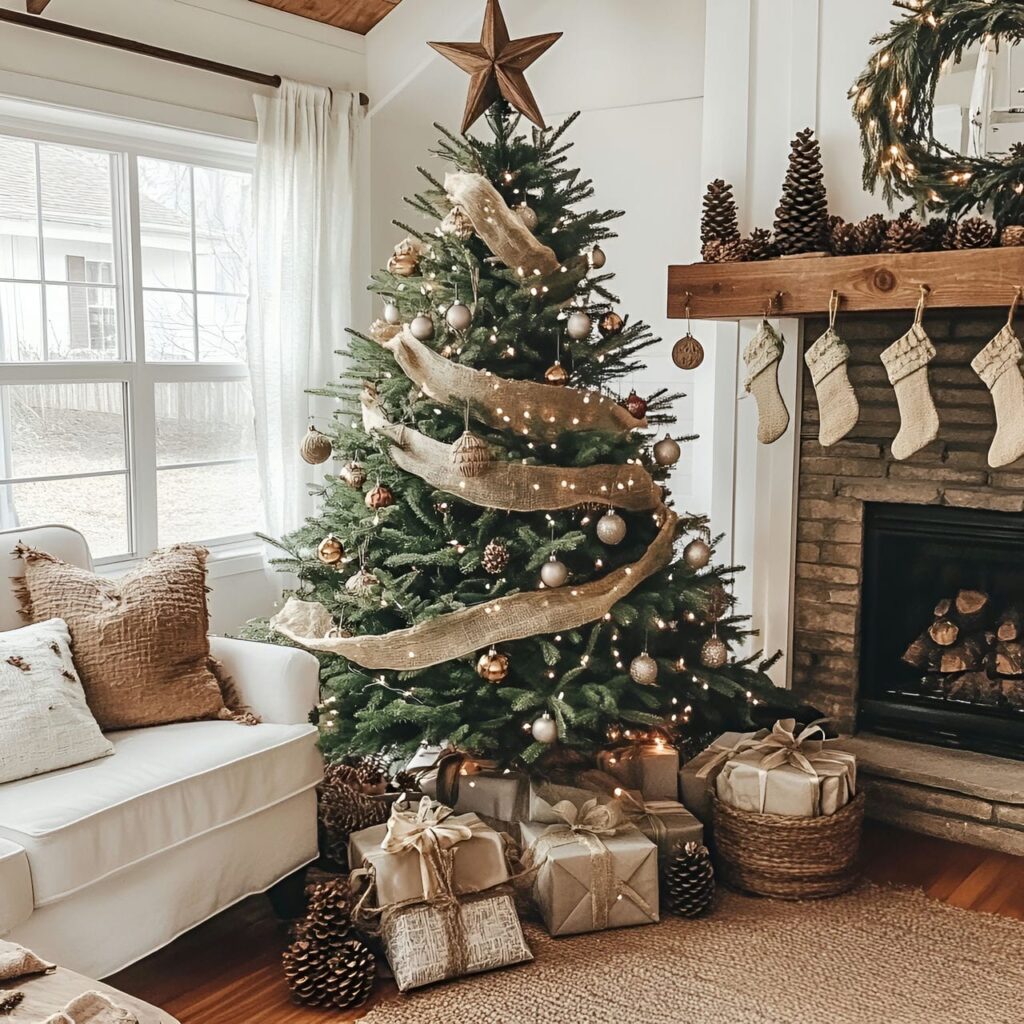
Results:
105 862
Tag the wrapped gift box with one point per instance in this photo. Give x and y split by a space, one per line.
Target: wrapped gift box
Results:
425 757
422 947
667 823
500 798
589 880
652 768
697 777
789 773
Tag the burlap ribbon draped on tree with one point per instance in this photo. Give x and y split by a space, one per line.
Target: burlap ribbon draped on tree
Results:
500 228
536 410
472 629
511 485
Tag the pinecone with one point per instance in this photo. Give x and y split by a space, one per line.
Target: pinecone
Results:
801 220
975 233
735 251
405 782
949 235
842 237
870 232
1012 235
718 223
372 770
935 234
711 252
495 557
905 234
342 810
760 245
688 883
340 975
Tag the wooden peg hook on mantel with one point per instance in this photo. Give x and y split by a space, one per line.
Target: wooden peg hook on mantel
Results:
963 279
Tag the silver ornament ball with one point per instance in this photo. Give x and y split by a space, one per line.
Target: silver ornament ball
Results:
459 316
611 528
643 669
544 729
714 653
553 573
528 216
392 315
422 327
579 325
697 553
597 257
667 451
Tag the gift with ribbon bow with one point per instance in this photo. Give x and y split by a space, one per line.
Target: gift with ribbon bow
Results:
697 777
592 868
651 768
791 771
438 882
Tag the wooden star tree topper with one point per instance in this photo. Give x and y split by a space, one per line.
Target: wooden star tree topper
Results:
496 65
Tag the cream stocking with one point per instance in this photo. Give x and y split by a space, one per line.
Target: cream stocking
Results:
998 365
762 359
838 409
906 361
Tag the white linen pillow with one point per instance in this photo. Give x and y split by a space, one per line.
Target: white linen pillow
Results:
45 722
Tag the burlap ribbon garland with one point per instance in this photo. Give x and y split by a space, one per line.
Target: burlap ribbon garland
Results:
511 485
586 825
536 410
457 634
500 228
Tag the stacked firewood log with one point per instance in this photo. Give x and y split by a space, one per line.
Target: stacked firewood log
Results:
973 652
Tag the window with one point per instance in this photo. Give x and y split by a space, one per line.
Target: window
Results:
125 408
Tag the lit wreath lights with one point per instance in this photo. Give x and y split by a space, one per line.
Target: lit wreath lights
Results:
893 101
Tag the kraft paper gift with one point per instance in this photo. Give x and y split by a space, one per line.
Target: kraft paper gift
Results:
498 797
697 777
594 870
651 768
789 773
667 823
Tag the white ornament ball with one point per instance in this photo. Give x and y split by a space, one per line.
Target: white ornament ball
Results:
667 451
528 216
697 553
611 528
644 670
544 729
459 316
554 573
422 327
579 325
392 314
714 653
597 257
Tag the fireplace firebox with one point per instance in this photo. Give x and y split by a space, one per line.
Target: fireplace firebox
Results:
942 639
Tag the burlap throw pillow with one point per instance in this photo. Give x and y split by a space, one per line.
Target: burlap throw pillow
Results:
139 642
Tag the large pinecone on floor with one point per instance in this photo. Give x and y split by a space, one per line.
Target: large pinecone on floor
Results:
719 222
801 220
760 245
342 810
974 233
688 881
870 233
842 237
905 234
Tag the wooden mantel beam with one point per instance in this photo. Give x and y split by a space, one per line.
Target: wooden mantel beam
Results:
975 278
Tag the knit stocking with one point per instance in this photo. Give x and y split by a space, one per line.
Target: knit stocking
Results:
906 361
998 365
838 409
762 359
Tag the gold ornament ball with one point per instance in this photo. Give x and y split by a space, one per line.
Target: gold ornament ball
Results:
330 550
688 353
492 666
667 451
471 455
380 497
404 265
459 316
392 314
714 653
697 553
422 327
579 325
545 729
643 669
553 573
557 375
611 528
315 447
610 324
597 257
354 475
527 216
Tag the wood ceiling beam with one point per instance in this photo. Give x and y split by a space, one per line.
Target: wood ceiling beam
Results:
36 6
354 15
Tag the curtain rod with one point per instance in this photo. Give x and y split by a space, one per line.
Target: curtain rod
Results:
88 35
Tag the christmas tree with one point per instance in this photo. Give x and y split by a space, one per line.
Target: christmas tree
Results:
494 565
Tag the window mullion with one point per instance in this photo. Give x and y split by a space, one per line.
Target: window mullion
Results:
195 264
42 253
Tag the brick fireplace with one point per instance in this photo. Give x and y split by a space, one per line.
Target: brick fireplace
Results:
964 795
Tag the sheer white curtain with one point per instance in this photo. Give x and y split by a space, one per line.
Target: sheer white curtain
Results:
301 279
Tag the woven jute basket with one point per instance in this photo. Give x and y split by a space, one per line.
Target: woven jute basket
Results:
789 858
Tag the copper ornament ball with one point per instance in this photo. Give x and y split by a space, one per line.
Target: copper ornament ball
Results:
545 729
492 666
643 669
353 474
315 447
714 653
330 550
667 451
554 573
688 353
611 528
610 324
597 257
403 264
380 497
556 374
579 325
697 553
422 327
635 405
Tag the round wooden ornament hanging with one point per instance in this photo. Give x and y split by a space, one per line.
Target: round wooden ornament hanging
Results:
315 447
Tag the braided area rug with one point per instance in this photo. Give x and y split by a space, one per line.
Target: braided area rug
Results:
875 956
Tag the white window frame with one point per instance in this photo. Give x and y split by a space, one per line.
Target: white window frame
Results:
129 142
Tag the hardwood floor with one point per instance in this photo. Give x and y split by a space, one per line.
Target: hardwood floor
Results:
228 970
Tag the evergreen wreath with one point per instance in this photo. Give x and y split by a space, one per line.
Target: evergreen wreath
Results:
893 102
